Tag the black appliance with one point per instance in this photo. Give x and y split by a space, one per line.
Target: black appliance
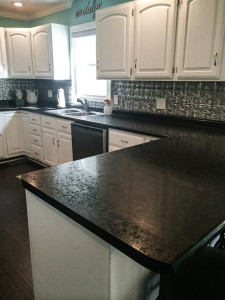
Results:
88 141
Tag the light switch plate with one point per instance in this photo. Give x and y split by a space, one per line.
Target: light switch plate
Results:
115 99
49 93
161 103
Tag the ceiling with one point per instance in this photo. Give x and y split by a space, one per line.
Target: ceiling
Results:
32 9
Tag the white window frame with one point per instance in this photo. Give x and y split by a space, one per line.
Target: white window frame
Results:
73 30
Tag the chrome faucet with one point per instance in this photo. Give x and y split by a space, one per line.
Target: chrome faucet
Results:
84 103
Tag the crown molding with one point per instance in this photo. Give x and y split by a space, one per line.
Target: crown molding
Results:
52 10
49 11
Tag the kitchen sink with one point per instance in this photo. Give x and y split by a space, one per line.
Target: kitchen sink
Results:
64 111
80 114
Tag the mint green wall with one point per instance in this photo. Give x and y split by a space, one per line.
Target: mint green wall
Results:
67 17
8 22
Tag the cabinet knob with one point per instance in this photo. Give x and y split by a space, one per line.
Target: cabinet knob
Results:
34 130
47 123
35 153
58 143
53 141
124 141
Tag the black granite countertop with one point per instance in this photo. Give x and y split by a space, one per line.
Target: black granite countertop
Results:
156 202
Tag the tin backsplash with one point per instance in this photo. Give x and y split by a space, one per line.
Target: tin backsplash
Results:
8 89
199 100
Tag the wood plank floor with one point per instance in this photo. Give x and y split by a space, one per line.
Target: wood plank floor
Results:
15 262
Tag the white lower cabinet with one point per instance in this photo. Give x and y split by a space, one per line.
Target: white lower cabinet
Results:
119 139
64 148
13 133
25 125
57 141
49 146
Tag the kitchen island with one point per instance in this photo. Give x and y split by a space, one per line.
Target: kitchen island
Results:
157 203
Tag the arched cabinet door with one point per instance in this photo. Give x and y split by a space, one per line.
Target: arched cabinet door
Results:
114 32
42 51
19 53
201 27
155 28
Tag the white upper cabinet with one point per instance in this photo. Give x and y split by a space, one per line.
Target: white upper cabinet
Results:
42 51
19 53
3 57
50 51
114 38
155 27
201 33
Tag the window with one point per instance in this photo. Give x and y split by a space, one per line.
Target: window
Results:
83 65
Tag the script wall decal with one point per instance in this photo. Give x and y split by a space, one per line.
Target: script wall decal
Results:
89 9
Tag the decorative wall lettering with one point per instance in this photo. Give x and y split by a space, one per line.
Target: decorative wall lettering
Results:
89 9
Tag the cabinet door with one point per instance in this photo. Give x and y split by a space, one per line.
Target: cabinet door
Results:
25 124
155 26
3 58
49 146
64 148
19 53
13 133
42 51
114 31
201 36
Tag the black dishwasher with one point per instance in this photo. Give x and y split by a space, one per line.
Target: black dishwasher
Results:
88 141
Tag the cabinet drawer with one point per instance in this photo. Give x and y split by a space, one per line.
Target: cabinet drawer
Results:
36 140
48 122
35 129
64 126
124 139
35 119
37 152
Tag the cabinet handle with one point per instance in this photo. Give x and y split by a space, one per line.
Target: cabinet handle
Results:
35 141
58 143
35 153
49 67
124 141
29 67
98 65
47 123
215 56
33 119
64 127
34 130
53 141
0 134
135 63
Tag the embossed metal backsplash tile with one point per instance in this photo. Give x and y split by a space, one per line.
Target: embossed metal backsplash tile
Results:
8 87
200 100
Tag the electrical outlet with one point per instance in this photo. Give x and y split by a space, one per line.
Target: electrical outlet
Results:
161 103
49 93
115 99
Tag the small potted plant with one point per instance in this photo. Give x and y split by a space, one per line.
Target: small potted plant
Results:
108 106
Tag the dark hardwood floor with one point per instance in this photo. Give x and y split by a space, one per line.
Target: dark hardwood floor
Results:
15 262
